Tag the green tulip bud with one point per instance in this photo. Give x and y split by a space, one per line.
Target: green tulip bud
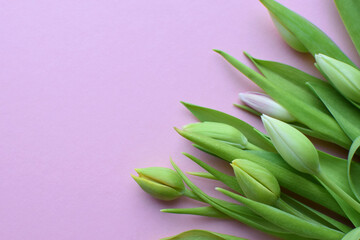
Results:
344 77
257 183
288 37
293 146
159 182
219 131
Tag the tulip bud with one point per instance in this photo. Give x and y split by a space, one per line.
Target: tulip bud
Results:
257 183
344 77
289 38
159 182
219 131
264 104
292 145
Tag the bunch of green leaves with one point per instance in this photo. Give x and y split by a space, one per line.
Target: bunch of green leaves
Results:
321 110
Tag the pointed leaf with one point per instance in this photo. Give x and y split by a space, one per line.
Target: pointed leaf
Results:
202 235
291 79
353 177
314 40
352 215
309 115
287 221
224 178
201 211
203 175
350 11
281 170
233 210
344 112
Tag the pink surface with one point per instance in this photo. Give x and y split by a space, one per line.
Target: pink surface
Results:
90 90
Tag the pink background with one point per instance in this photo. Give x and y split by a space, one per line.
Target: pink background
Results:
90 90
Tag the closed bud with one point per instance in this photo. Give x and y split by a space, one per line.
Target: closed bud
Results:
288 37
293 146
257 183
219 131
159 182
345 78
266 105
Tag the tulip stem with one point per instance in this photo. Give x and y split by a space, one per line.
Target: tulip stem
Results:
281 204
190 194
338 191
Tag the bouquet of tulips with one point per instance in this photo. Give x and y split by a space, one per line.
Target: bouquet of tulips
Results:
294 104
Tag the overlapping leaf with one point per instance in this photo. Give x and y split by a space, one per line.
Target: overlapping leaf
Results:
314 40
283 91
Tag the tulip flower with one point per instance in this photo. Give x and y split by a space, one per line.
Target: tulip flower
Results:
344 77
256 182
219 131
293 146
288 37
161 183
266 105
301 154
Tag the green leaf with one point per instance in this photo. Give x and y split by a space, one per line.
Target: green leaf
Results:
201 211
353 177
343 111
238 212
350 11
314 40
353 235
229 181
211 115
307 114
286 175
291 79
246 108
203 175
352 215
314 214
287 221
202 235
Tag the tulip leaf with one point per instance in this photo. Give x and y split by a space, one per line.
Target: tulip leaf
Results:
350 11
334 167
231 182
309 132
281 170
307 114
313 39
314 214
202 235
224 178
343 111
201 211
352 235
291 79
211 115
352 215
285 220
238 212
353 177
246 108
203 175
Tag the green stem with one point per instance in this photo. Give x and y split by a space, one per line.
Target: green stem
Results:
338 191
